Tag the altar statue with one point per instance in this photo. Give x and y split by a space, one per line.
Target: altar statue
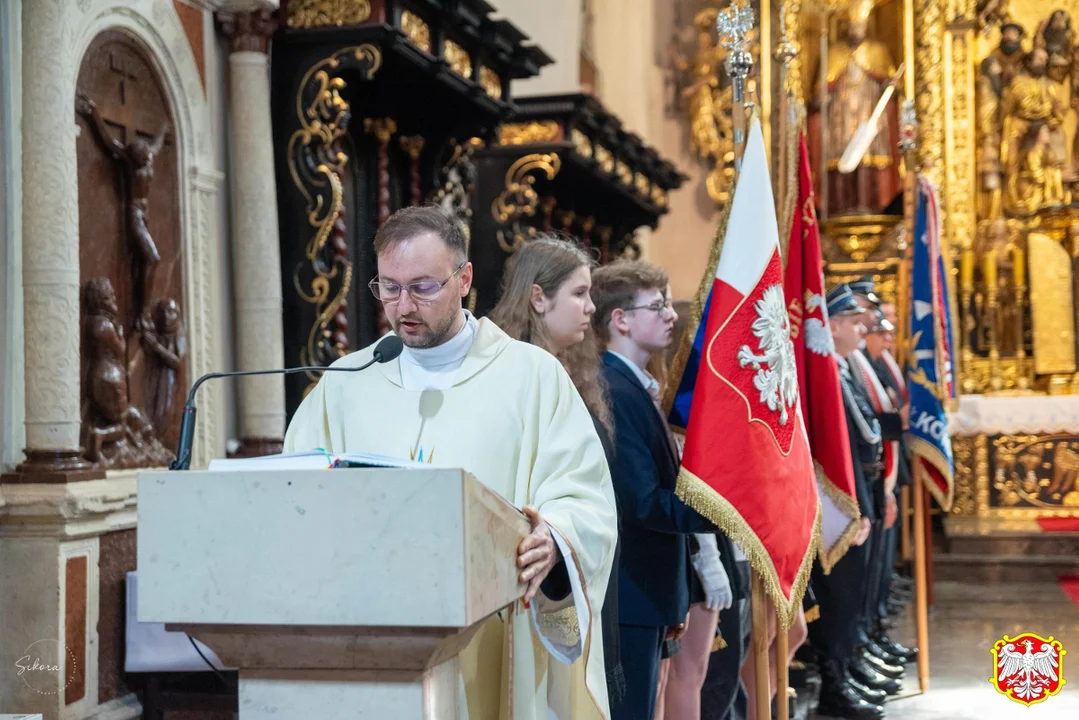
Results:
1010 50
1036 181
858 73
989 89
1030 98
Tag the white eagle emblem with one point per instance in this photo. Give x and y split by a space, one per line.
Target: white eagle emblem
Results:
817 333
1033 671
777 373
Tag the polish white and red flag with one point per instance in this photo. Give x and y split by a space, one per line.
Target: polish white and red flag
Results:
747 464
818 374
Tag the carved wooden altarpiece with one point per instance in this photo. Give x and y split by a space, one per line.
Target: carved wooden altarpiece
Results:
133 351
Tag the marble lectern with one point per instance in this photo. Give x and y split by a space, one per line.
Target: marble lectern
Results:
337 593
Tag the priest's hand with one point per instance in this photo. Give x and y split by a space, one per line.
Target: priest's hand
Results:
536 554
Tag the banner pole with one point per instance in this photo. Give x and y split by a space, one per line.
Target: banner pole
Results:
906 551
782 650
920 589
760 607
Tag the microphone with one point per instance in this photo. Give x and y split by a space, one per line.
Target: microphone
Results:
387 349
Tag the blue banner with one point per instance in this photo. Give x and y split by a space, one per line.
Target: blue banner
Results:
930 372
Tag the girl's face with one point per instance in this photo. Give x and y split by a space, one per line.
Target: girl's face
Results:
568 313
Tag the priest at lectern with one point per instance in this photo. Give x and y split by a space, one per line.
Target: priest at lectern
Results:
463 394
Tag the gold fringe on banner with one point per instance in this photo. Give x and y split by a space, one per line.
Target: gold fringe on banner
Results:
704 499
849 507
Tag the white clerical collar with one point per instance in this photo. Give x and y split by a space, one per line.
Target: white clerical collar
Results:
451 352
647 381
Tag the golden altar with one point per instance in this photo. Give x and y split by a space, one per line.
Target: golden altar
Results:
996 90
995 87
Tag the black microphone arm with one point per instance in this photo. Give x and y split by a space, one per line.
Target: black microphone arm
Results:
388 349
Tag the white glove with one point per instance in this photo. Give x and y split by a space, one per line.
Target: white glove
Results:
717 586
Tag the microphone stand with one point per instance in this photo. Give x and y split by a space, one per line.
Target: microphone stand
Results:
187 427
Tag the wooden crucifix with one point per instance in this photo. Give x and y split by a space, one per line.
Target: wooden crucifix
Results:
136 153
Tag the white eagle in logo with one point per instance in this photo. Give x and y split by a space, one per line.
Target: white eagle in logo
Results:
1033 671
777 373
817 333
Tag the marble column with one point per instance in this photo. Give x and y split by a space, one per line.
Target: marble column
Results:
255 249
50 244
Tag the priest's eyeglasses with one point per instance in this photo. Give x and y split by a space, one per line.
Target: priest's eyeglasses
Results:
422 291
659 307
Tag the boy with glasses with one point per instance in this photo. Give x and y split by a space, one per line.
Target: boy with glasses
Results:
634 320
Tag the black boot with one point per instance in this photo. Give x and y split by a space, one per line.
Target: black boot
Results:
902 581
839 699
896 672
906 654
882 654
864 673
870 695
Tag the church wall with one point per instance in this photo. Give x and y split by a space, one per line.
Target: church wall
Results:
630 43
554 25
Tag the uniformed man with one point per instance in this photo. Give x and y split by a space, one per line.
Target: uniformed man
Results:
883 383
850 688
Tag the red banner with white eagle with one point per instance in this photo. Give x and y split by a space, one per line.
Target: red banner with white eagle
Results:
747 464
818 374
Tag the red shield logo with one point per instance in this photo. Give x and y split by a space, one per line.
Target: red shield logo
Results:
1028 668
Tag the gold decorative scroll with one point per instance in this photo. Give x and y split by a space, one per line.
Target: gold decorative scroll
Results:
315 162
519 199
528 133
1051 306
416 30
490 82
458 58
327 13
624 173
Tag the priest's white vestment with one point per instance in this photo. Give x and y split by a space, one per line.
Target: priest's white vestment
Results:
513 419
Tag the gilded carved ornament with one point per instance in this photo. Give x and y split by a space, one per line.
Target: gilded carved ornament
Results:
604 158
581 143
416 30
529 133
519 198
458 58
327 13
490 82
315 161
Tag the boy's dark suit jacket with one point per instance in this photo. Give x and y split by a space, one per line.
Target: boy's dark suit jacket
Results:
655 576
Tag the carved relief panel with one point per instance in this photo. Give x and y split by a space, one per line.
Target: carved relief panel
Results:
133 349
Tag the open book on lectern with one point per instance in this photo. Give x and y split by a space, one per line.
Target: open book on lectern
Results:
317 459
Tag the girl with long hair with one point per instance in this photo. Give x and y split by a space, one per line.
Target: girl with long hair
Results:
546 302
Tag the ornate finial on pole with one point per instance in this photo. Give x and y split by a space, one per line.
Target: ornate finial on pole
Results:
734 25
785 49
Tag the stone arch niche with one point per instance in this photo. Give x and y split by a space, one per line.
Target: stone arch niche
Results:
129 241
